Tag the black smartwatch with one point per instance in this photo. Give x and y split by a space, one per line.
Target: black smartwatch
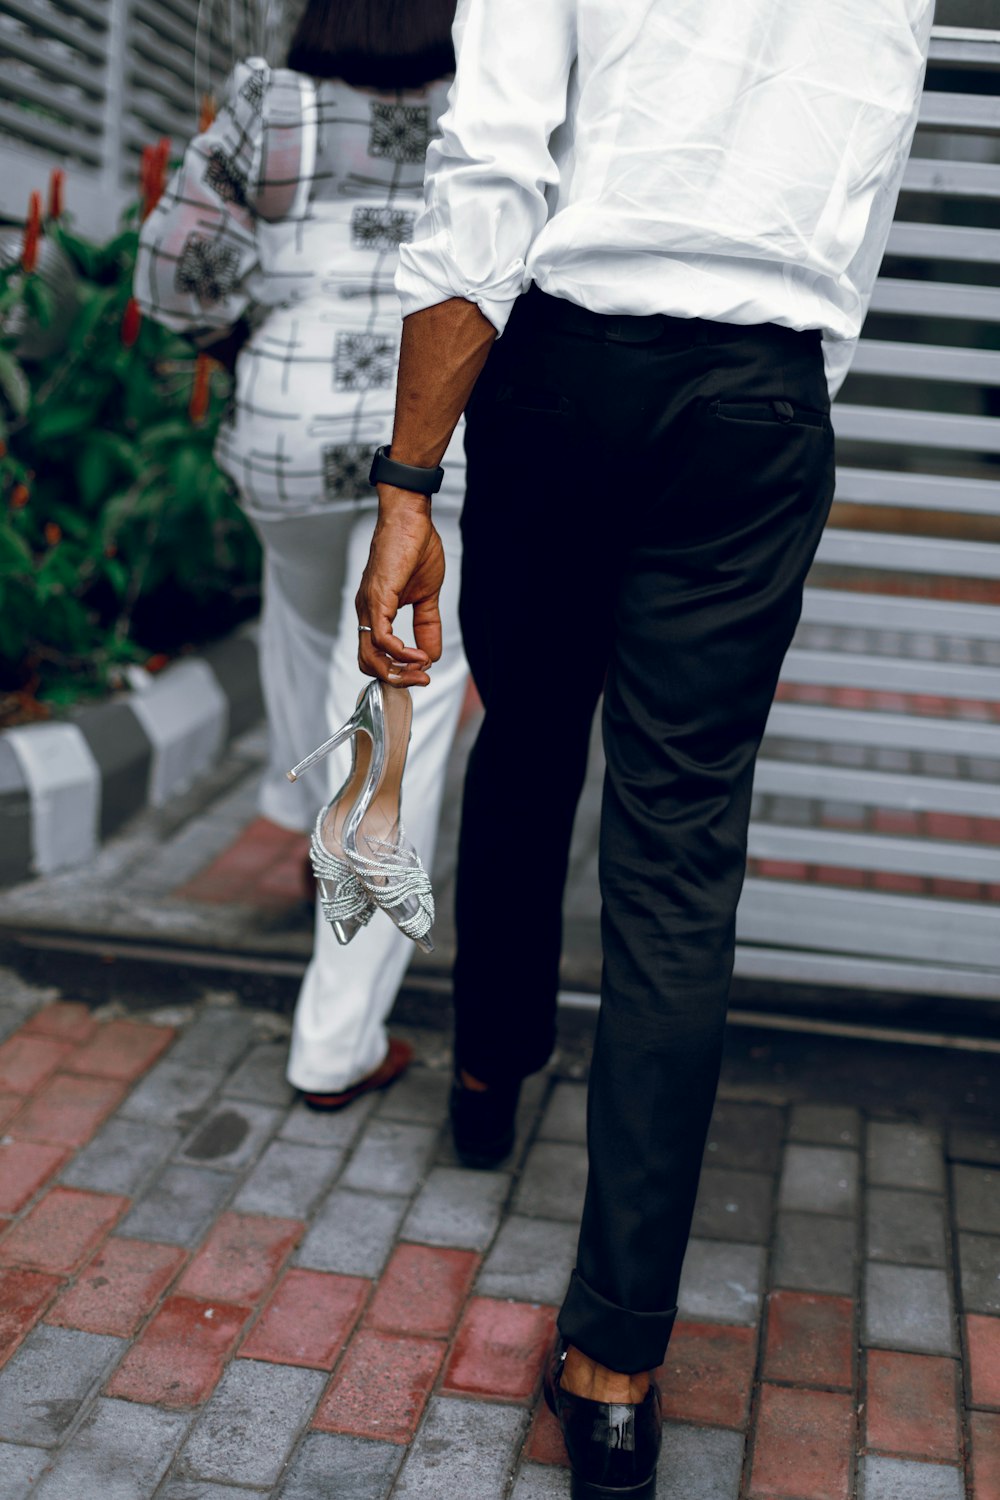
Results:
386 470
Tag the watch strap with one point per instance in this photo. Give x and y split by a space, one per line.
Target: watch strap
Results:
386 470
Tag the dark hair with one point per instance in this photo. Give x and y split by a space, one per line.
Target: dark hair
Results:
382 44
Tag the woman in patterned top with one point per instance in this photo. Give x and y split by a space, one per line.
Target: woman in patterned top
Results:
283 224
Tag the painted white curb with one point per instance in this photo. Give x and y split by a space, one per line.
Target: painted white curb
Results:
185 713
65 784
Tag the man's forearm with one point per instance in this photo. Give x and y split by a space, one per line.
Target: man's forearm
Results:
443 351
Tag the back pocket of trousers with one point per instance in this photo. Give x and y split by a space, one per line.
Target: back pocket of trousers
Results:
777 412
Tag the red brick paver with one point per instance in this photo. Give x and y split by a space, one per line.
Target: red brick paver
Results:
68 1110
308 1320
985 1430
180 1356
911 1408
804 1445
983 1335
24 1167
26 1061
123 1050
24 1296
9 1105
241 1257
810 1340
500 1349
707 1376
262 867
119 1288
62 1230
67 1020
382 1386
422 1291
545 1440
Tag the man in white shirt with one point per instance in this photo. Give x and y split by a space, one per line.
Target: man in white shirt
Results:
695 199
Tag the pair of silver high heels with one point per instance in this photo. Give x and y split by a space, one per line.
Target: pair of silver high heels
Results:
361 856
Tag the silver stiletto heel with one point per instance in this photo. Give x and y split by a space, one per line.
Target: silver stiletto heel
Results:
364 820
346 904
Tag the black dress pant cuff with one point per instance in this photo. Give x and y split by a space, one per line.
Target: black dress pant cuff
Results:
628 1342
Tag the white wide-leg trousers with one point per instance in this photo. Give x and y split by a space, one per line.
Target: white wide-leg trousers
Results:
311 682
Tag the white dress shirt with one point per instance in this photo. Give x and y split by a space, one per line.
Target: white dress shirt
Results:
737 160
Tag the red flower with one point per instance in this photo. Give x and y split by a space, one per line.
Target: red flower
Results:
158 662
200 389
207 117
20 496
57 182
53 533
32 233
153 174
131 323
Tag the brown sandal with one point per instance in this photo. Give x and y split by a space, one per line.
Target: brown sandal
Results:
394 1064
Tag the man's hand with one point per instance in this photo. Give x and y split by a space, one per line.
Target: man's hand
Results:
405 566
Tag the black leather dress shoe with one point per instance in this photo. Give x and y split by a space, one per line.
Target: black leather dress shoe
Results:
482 1122
613 1449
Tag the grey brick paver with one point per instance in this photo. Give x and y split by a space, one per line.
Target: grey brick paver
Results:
734 1205
531 1261
815 1254
553 1182
744 1135
121 1451
261 1076
908 1228
391 1157
231 1136
337 1128
215 1038
353 1233
420 1096
899 1479
19 1468
288 1181
908 1308
331 1467
825 1125
179 1207
172 1094
905 1156
819 1180
699 1463
979 1261
974 1143
463 1448
977 1199
48 1379
122 1157
186 1489
542 1482
457 1207
722 1282
565 1117
246 1432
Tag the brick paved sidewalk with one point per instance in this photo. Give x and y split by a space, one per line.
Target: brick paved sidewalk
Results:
209 1293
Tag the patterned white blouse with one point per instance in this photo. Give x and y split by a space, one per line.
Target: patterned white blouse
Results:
290 209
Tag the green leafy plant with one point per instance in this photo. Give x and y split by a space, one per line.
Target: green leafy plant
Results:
120 540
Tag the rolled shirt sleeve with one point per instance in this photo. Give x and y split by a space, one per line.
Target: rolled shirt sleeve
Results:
487 174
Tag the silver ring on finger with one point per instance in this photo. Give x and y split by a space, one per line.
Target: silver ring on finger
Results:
364 627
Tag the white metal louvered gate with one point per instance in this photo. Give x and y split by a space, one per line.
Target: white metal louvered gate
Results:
87 83
875 843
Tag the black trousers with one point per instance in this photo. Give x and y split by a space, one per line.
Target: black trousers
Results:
645 496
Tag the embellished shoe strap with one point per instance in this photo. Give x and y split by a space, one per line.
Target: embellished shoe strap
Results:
349 901
390 884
